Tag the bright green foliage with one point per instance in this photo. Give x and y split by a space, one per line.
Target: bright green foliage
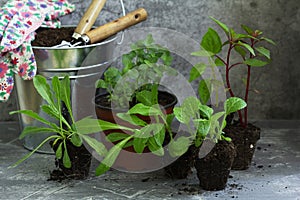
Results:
75 132
139 77
248 46
202 122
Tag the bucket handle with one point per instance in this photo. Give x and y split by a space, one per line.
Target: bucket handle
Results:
124 13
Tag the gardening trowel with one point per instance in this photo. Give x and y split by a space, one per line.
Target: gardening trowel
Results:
87 21
109 29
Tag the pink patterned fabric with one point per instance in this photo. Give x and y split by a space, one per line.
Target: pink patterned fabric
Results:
18 21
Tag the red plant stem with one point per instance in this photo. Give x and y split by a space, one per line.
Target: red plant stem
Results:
228 80
246 96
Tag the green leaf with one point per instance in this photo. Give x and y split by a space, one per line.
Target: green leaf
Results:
205 111
145 97
255 62
150 130
202 53
35 116
188 110
58 152
219 62
211 41
66 158
76 140
36 130
111 157
139 144
222 25
33 151
52 112
154 147
132 119
204 90
114 137
179 147
234 104
66 94
160 136
145 110
240 51
43 88
247 29
268 40
203 127
264 52
95 144
197 71
247 46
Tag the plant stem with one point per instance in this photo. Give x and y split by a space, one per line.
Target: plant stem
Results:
246 96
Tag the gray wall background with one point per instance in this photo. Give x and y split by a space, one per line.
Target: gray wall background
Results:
278 83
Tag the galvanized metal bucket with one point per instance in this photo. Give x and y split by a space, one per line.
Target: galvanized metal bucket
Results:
77 62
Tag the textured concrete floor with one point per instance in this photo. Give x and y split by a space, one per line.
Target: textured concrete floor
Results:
274 174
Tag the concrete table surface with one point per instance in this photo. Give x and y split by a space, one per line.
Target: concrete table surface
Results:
274 174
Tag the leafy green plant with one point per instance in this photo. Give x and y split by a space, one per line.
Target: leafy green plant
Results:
202 122
142 69
76 132
143 135
248 46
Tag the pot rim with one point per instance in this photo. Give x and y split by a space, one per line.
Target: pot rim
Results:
173 103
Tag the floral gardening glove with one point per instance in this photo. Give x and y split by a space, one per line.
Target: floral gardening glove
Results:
18 21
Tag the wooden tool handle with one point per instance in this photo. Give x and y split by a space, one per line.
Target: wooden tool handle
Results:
89 18
115 26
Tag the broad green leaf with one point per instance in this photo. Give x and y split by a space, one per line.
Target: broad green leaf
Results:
203 126
111 157
95 144
132 119
76 140
219 62
264 52
197 71
255 62
58 152
114 137
204 90
234 104
240 51
145 97
247 46
179 146
160 136
66 158
28 130
43 88
139 144
205 111
188 110
202 53
150 130
154 147
222 25
211 41
56 89
144 110
101 84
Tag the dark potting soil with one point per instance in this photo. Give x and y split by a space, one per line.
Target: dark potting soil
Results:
213 170
182 167
103 101
47 37
80 164
245 140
